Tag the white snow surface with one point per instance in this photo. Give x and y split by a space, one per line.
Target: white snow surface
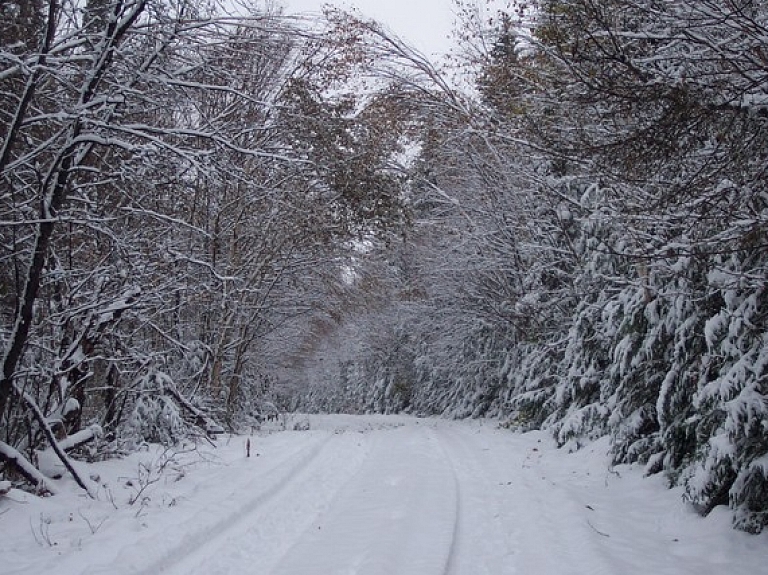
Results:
372 495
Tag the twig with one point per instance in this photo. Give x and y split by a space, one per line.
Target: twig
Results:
611 471
45 531
145 479
110 496
90 525
597 530
34 533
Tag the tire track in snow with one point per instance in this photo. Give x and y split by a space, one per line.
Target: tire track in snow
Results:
262 535
518 519
484 544
450 567
396 516
278 479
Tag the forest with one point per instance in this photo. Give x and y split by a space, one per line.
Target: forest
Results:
209 213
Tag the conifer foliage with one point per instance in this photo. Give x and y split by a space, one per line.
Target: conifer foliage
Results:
589 242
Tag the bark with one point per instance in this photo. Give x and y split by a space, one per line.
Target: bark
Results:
112 415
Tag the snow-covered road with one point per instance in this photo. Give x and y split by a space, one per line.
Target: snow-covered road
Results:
373 496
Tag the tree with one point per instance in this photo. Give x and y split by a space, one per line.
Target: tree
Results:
167 215
110 127
588 235
672 126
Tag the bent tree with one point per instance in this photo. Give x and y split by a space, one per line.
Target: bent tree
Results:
104 137
165 210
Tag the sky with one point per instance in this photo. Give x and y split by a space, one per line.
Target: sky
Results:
425 24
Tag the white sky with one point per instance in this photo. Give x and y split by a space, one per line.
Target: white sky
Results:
425 24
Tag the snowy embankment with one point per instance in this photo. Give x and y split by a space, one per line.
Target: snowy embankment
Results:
372 496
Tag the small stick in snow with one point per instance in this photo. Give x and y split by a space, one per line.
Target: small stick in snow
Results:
597 530
248 447
611 471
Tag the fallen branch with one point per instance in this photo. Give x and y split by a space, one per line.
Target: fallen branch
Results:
21 464
80 438
60 453
201 419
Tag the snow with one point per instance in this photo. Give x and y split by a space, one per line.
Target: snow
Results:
371 495
81 436
71 406
8 453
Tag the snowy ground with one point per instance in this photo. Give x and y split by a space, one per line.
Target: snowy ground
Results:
372 496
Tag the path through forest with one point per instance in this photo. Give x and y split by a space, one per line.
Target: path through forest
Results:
374 496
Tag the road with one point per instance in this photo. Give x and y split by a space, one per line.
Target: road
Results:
404 496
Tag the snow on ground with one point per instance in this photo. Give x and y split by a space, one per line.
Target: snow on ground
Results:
372 495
